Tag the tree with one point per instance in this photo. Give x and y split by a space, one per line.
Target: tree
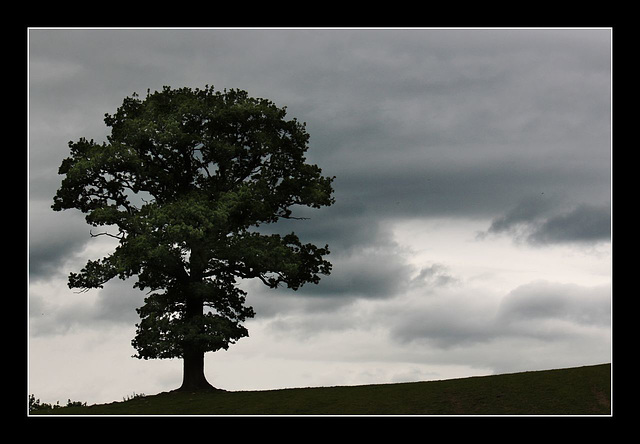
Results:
185 178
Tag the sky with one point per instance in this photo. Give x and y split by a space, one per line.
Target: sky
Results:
471 233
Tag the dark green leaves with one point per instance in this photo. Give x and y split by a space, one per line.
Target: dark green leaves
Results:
276 259
182 180
165 331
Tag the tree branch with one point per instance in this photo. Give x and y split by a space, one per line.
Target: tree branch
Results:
119 236
294 217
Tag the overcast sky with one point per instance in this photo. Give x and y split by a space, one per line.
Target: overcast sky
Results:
471 231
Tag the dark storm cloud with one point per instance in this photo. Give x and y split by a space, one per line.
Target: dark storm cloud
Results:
369 274
541 221
525 212
53 238
482 189
586 223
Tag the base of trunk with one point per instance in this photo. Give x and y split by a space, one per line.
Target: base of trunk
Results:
193 378
201 387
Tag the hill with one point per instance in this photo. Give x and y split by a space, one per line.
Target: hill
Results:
571 391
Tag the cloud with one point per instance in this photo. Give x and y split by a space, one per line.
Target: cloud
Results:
53 238
530 303
545 311
539 221
448 319
435 276
524 213
585 223
414 123
57 310
372 273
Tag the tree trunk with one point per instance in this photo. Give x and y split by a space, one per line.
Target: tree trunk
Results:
193 374
193 356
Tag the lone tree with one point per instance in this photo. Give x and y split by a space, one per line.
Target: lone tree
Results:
185 178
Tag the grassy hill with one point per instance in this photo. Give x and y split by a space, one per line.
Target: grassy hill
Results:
571 391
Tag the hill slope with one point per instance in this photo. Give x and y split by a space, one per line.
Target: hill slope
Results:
573 391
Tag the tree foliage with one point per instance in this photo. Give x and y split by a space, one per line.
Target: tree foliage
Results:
184 179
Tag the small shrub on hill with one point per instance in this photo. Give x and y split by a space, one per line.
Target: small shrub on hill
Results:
34 404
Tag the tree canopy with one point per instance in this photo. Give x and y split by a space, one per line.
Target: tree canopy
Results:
183 181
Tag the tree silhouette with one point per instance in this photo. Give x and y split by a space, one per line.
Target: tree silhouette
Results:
185 178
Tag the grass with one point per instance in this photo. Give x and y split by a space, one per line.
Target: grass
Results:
572 391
